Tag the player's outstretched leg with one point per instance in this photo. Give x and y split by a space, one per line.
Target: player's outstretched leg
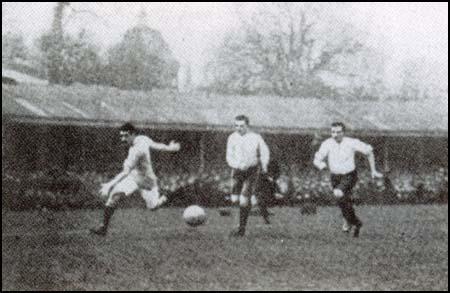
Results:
110 207
358 226
152 198
103 229
235 191
349 215
354 220
244 212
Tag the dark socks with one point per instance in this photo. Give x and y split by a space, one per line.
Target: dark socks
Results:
109 211
243 218
264 212
349 212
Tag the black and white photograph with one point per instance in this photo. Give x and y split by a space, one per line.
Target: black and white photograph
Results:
225 146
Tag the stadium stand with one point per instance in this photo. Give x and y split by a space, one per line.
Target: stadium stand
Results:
73 129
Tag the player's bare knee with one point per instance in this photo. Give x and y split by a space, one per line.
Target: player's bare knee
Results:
243 201
338 193
112 201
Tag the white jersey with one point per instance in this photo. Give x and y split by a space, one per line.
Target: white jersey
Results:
341 156
243 151
138 163
138 174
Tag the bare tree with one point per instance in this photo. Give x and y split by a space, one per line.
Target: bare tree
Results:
415 79
56 44
422 79
13 46
363 76
143 60
13 42
284 48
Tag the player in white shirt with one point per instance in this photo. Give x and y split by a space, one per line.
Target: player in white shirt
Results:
248 156
137 174
340 151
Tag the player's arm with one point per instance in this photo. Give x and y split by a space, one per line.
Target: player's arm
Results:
373 169
231 158
171 147
367 150
320 156
264 153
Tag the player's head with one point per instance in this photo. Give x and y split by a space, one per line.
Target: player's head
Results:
127 133
241 123
337 131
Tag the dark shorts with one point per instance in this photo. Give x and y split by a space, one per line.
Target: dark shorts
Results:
344 182
245 181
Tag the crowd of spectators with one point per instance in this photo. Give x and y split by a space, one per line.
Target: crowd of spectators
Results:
76 189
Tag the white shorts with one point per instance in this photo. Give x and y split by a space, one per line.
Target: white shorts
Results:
147 187
128 186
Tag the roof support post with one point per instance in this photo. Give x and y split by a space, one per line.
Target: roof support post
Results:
386 165
42 149
202 147
421 157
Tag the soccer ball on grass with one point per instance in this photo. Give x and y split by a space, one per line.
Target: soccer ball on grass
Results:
194 216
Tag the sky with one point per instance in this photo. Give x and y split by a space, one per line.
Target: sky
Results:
401 30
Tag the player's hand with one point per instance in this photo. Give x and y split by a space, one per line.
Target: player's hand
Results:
376 174
338 193
105 189
322 166
174 146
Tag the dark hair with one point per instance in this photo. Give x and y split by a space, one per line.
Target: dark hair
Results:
128 127
243 118
338 124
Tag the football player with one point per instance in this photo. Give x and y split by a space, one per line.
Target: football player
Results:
248 156
340 151
137 174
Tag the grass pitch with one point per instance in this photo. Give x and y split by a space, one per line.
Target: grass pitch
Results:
400 248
